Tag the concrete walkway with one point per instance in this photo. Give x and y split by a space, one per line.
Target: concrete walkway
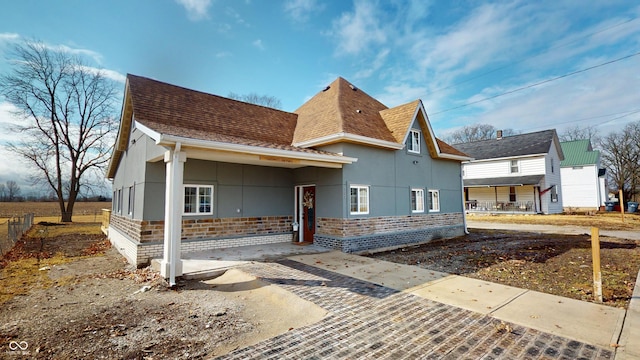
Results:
596 325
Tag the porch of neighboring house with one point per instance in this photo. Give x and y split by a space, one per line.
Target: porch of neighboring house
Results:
503 195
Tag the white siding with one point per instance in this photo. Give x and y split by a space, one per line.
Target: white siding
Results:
502 168
580 187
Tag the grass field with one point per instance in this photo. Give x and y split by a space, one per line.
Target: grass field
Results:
603 220
84 212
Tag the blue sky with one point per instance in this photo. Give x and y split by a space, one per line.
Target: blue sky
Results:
493 62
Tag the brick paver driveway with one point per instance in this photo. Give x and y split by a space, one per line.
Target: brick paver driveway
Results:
366 320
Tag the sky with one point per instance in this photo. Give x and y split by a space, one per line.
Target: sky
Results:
521 65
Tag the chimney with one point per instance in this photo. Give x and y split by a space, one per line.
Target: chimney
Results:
499 134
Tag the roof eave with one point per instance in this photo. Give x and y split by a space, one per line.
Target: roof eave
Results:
347 137
171 140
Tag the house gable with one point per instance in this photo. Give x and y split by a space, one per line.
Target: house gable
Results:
535 143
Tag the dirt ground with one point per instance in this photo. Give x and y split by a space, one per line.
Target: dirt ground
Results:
549 263
69 295
74 297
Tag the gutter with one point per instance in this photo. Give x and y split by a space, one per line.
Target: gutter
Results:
255 150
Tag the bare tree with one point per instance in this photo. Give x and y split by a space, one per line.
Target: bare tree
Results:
253 98
3 192
621 157
477 132
580 133
67 110
12 190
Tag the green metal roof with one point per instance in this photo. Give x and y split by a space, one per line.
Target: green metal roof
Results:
578 153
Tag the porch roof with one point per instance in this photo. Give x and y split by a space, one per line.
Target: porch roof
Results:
504 181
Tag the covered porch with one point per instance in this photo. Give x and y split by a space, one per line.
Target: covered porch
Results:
506 195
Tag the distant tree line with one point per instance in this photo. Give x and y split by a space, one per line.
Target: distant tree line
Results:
10 191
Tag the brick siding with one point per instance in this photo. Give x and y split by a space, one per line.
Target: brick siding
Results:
141 241
353 235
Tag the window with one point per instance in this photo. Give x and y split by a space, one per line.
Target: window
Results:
198 199
359 199
512 194
114 202
552 165
132 199
554 194
119 204
414 142
417 200
515 166
434 200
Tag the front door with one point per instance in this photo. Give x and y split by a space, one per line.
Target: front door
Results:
308 205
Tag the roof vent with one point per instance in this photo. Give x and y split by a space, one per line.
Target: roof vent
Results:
327 88
358 111
353 87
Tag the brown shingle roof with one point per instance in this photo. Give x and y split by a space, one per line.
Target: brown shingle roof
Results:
448 149
178 111
399 118
341 108
173 110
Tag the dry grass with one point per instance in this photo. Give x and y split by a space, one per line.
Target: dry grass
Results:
27 267
9 209
84 212
607 221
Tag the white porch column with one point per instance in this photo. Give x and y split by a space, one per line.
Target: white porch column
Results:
171 265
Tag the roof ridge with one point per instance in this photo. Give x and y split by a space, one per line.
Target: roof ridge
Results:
206 93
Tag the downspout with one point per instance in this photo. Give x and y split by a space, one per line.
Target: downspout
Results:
464 210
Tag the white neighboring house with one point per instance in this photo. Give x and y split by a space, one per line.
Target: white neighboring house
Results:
583 180
514 174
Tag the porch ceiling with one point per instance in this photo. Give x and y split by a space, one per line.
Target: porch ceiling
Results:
504 181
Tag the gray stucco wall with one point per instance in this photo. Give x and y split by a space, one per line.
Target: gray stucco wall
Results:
391 175
239 190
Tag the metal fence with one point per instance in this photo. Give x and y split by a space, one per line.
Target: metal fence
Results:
16 226
497 206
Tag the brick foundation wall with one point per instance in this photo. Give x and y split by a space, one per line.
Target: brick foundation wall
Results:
344 228
144 231
353 235
140 241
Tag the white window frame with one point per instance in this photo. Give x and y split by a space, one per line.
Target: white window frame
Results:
198 204
434 204
359 188
132 199
119 201
554 194
413 144
517 166
417 206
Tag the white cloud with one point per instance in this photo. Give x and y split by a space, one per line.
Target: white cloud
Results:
258 43
9 37
358 30
196 9
375 65
223 54
301 10
109 74
96 56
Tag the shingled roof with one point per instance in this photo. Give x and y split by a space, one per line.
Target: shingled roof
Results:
510 146
174 110
341 112
341 108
